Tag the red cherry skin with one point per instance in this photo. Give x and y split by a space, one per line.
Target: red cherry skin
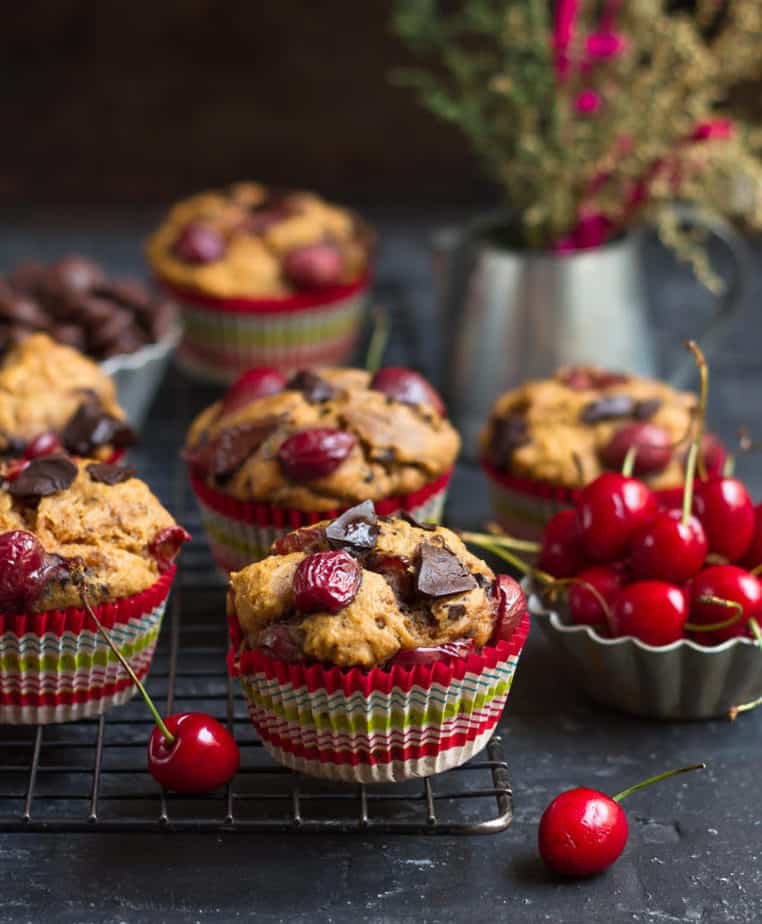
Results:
610 511
753 556
166 544
407 386
306 539
653 444
22 569
311 454
729 583
45 444
253 384
727 515
314 266
669 550
584 608
561 550
512 605
411 657
582 832
326 582
199 244
277 641
714 454
203 756
652 611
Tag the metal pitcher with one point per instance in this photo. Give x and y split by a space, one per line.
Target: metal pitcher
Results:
515 315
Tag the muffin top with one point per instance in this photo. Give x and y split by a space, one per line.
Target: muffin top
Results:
99 526
48 388
362 589
249 241
323 440
570 428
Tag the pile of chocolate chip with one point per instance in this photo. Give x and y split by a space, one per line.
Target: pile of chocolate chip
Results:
75 302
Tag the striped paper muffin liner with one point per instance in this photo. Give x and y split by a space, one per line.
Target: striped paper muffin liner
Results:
56 667
240 532
376 726
223 337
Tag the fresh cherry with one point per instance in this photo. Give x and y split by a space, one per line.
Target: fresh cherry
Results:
730 583
252 384
753 556
44 444
314 266
25 569
727 515
326 582
311 454
407 386
713 453
653 611
584 607
653 444
201 757
199 243
561 552
669 549
610 511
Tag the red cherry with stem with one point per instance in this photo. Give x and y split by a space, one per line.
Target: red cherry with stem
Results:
326 582
407 386
583 831
45 444
311 454
314 266
727 515
753 557
199 244
584 607
610 511
561 552
253 384
190 752
653 445
733 585
653 611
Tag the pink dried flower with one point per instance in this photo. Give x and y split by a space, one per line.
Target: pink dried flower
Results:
588 102
563 32
603 45
715 129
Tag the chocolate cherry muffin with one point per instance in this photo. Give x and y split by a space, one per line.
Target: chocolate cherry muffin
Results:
263 276
277 453
548 438
373 648
52 398
70 528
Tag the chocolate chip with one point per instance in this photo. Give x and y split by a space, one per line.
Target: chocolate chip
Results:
409 518
222 457
645 410
90 426
104 473
75 273
442 573
23 309
455 612
43 477
508 434
356 527
609 408
314 388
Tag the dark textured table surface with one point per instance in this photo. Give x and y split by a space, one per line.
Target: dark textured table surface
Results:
695 844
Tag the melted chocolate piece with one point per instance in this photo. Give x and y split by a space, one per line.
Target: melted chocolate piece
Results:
103 473
645 410
442 573
508 434
90 427
356 527
230 449
455 612
44 476
409 518
314 388
610 408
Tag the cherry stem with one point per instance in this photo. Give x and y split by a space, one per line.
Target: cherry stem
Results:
628 466
378 340
703 395
714 626
746 707
127 666
507 542
690 477
519 564
756 570
564 582
729 466
656 779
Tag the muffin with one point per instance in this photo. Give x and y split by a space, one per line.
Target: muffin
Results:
53 397
69 527
548 438
278 453
263 276
374 649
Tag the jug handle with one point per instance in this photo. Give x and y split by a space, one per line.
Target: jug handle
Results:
729 304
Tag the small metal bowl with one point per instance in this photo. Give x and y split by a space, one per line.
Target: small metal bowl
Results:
683 680
137 375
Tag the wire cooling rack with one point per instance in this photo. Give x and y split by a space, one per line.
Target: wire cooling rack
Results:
92 776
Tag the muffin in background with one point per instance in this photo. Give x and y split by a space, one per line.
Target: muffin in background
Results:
373 649
278 453
263 277
548 438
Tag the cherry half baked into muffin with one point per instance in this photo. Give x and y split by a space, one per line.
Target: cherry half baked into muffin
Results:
277 453
69 527
373 648
263 276
547 439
